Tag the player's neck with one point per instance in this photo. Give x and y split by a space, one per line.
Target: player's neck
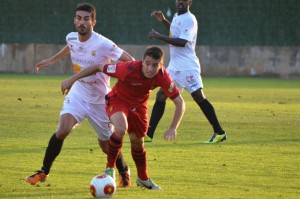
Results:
83 38
182 12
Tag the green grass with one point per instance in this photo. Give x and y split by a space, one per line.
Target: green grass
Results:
260 159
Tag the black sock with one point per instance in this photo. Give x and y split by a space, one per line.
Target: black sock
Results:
52 151
121 164
209 112
157 113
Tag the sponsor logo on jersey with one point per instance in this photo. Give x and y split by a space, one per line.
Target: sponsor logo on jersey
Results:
111 69
72 38
83 61
94 53
171 87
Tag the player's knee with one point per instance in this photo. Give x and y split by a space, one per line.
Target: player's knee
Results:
120 131
62 132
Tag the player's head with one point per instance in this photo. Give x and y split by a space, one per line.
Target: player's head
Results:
152 61
85 18
183 6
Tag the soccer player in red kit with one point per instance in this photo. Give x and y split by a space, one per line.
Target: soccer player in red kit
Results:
126 106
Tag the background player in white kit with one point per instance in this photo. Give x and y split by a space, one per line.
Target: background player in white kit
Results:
184 67
86 99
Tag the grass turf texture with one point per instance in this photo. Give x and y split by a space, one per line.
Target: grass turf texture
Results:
259 160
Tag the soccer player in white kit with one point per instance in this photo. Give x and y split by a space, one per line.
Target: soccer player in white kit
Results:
86 99
184 67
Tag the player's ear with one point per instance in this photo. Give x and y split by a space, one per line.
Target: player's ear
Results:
94 22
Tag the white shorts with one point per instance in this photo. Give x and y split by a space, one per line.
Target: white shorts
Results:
190 80
95 113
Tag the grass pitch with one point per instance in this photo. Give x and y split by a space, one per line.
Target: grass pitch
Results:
260 159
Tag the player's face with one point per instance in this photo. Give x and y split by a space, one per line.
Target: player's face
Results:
151 66
183 5
83 22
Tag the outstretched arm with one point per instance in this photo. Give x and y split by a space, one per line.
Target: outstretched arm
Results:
67 84
171 133
47 62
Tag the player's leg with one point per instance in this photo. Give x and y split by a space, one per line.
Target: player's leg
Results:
70 115
66 123
208 110
137 126
115 143
138 153
104 129
194 85
156 114
123 168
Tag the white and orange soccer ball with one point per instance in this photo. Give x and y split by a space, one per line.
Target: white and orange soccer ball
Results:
103 186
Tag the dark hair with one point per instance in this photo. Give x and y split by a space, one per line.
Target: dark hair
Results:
155 52
88 8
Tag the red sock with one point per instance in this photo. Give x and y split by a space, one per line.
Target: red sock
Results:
114 148
139 157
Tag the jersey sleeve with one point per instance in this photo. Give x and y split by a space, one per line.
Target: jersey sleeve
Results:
111 50
70 37
168 86
118 70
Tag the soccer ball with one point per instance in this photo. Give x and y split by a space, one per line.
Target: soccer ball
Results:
103 186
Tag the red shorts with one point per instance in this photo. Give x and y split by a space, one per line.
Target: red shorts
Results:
137 117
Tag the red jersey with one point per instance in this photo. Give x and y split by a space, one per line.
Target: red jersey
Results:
133 87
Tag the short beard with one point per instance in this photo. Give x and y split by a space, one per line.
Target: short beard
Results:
83 33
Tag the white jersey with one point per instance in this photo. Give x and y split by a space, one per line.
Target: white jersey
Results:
97 49
184 26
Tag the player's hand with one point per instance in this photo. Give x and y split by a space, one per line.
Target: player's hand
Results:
153 34
158 15
44 63
170 134
66 86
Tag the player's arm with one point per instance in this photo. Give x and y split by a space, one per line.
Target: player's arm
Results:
171 133
155 35
161 18
67 84
126 57
47 62
173 41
